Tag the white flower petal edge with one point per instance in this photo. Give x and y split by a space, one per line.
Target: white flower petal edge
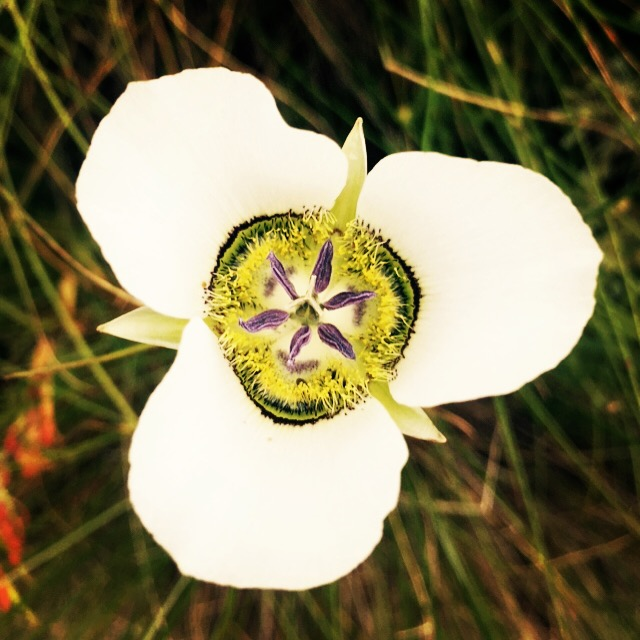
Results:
238 500
178 163
506 265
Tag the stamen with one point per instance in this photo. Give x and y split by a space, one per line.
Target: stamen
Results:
281 276
346 298
300 338
322 268
270 319
331 336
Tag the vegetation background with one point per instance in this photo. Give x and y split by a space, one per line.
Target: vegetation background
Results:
526 524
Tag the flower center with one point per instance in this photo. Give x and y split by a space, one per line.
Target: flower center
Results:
308 314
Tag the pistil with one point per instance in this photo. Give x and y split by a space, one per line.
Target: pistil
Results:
318 282
307 309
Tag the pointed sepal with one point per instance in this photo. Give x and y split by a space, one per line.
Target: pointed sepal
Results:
412 421
355 150
146 326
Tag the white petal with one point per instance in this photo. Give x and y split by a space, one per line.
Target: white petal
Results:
505 263
147 326
239 500
180 161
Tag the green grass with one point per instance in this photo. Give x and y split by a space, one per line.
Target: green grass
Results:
526 524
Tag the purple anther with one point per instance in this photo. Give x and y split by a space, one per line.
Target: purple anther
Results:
300 338
281 276
346 298
322 268
332 337
270 319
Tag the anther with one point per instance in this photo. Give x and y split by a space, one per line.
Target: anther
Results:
331 336
300 338
270 319
322 268
346 298
281 276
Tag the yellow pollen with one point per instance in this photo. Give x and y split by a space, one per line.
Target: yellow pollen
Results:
321 381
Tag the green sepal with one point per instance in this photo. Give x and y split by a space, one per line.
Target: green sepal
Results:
355 150
146 326
412 421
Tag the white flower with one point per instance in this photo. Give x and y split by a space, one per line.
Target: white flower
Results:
261 460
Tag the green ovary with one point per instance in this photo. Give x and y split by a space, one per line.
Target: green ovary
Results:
321 382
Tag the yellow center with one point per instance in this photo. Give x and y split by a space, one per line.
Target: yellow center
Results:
321 381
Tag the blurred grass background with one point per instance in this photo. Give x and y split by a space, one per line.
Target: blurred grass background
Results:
526 524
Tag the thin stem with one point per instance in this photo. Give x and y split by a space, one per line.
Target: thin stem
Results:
160 618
